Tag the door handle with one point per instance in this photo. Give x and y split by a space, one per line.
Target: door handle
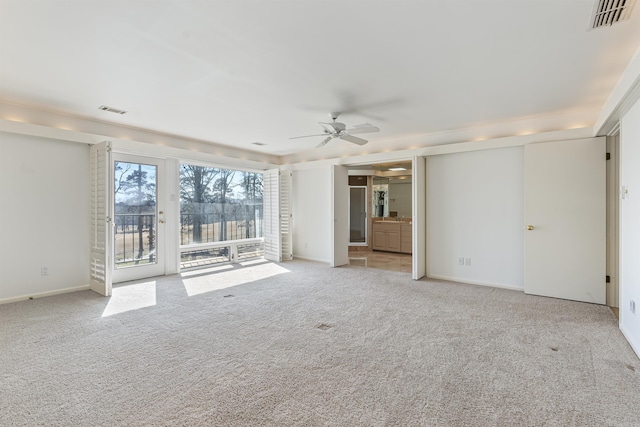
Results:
161 221
530 227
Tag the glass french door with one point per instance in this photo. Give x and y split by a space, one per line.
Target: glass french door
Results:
138 218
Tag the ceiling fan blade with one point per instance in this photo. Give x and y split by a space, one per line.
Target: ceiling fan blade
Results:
353 139
363 128
324 142
308 136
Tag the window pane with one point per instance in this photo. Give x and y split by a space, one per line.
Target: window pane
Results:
217 205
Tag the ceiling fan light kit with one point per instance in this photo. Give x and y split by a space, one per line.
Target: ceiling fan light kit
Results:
335 129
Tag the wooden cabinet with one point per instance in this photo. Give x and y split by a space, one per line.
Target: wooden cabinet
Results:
406 238
379 240
392 237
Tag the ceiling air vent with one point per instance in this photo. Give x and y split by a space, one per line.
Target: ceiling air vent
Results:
608 12
111 109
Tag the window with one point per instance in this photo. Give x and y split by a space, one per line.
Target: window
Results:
219 205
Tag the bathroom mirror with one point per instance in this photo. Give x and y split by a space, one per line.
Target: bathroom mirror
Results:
391 196
380 199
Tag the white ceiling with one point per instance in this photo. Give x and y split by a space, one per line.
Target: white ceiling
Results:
238 72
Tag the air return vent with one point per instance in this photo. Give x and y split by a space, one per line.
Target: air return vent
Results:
111 109
608 12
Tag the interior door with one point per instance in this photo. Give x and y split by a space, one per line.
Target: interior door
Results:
565 226
340 213
138 219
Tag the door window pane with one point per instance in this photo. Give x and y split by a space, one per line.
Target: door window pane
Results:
135 221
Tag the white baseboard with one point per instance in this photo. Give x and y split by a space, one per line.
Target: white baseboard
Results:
627 336
475 282
305 258
43 294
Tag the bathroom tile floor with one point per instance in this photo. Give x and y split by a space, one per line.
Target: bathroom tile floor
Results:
381 260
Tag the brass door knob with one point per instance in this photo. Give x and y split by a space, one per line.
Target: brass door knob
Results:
161 221
530 227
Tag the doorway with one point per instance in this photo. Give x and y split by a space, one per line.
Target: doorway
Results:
138 217
380 204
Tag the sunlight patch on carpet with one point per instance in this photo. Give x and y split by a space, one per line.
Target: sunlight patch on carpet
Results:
205 271
203 283
131 297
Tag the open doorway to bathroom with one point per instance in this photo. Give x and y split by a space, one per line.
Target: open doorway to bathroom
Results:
380 216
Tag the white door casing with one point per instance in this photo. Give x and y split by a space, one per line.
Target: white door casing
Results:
565 225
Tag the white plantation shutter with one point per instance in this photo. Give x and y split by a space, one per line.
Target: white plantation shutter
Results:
101 230
271 206
286 178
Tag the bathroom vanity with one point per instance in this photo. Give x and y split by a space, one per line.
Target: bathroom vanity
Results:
392 236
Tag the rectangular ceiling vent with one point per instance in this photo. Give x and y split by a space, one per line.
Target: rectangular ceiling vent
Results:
608 12
111 109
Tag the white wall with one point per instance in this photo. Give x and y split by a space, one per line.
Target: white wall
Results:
312 214
629 278
400 199
475 210
44 215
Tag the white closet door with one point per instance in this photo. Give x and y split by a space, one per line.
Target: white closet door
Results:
271 202
101 222
565 226
340 212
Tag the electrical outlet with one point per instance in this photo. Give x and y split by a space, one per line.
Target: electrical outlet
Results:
44 270
467 261
461 261
632 306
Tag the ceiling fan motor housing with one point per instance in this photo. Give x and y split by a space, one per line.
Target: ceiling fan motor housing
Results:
339 127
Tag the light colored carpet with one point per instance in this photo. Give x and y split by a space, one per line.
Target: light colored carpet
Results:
308 346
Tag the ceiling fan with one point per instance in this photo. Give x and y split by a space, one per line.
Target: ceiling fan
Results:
339 130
